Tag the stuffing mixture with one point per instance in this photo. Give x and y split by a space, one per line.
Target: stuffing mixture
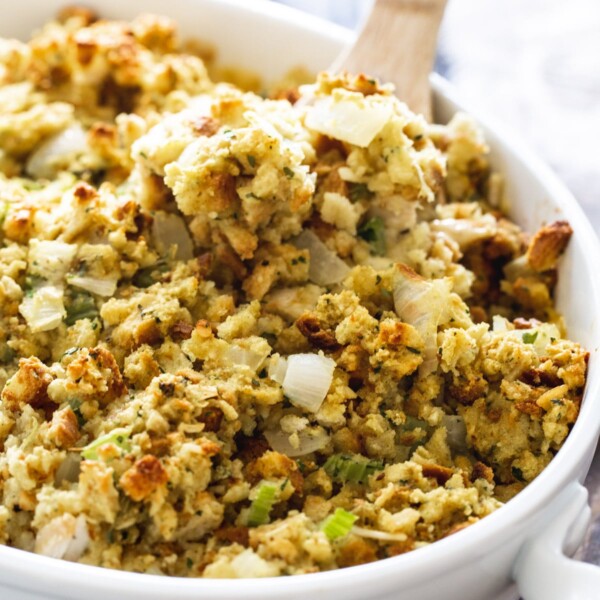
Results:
249 335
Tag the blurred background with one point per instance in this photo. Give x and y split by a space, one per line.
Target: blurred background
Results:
534 66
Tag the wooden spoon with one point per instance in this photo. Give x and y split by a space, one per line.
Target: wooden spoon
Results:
397 44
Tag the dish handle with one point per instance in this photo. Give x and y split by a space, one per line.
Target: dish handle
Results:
543 570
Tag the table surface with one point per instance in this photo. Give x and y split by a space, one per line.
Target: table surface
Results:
541 58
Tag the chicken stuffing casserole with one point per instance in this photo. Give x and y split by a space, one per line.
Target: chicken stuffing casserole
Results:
251 335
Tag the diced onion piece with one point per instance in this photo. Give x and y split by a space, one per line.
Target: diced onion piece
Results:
170 230
119 437
383 536
242 356
80 541
356 119
69 469
309 440
339 524
44 310
516 268
100 286
277 368
261 506
456 432
539 337
326 267
56 152
249 564
500 324
50 259
64 537
420 303
307 380
294 301
464 231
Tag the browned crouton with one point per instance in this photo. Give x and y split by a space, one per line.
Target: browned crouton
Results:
547 245
145 476
29 385
64 428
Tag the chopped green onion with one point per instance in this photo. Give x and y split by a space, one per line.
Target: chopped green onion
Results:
82 306
355 468
359 191
373 231
288 172
338 524
148 275
530 337
119 437
251 160
263 503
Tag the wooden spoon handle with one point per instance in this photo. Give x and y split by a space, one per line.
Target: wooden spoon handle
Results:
397 45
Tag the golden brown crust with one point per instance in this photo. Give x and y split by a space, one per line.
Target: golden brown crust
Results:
439 473
482 471
100 368
273 465
29 385
65 428
145 476
547 245
356 551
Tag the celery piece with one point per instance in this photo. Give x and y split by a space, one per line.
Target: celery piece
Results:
263 503
149 275
119 437
354 468
81 306
338 524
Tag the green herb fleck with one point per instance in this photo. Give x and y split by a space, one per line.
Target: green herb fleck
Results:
288 172
530 337
251 160
359 191
373 231
75 405
413 350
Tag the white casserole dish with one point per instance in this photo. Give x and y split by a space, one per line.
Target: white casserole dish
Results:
522 541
